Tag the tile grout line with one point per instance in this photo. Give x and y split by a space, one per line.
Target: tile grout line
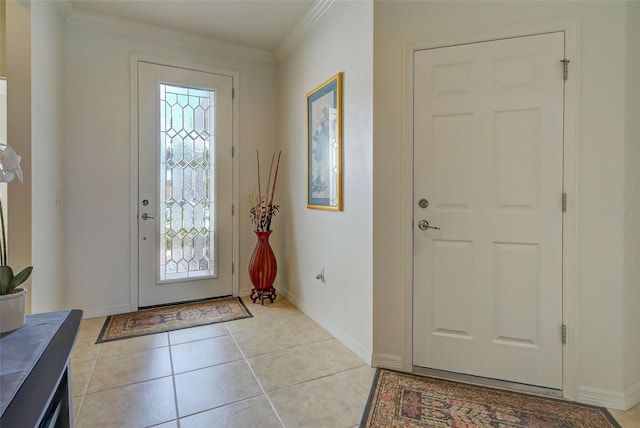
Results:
264 392
107 357
130 383
86 386
173 381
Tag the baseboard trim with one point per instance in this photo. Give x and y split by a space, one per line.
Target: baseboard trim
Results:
344 338
246 291
393 362
608 398
282 292
103 312
632 396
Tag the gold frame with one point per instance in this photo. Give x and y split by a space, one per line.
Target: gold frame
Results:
324 146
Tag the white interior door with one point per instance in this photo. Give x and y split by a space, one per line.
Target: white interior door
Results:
184 184
488 159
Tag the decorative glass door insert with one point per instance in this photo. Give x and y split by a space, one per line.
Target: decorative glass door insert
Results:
187 183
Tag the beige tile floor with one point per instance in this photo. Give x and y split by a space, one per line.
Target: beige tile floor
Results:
276 369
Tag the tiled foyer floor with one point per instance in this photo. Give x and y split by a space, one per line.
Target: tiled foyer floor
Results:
276 369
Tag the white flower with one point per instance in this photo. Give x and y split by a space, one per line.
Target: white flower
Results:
6 177
10 165
10 159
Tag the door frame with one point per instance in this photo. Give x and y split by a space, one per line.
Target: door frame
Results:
133 135
569 219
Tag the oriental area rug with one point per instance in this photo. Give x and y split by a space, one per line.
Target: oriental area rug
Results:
405 400
160 319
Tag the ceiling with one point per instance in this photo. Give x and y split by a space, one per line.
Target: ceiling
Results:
261 24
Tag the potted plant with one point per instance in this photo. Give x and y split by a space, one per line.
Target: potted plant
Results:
263 266
12 298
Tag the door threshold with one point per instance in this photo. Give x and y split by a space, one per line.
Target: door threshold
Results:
184 302
485 381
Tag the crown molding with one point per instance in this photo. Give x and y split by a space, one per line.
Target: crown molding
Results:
151 32
317 11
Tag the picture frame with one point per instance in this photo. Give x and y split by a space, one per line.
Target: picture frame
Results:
324 145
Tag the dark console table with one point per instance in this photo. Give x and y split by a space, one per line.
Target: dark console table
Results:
35 380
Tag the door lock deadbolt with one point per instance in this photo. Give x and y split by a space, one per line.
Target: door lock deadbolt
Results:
423 203
145 202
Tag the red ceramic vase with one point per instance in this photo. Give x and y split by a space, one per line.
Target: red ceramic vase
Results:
263 265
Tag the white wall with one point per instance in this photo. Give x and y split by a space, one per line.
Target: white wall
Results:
600 309
97 153
3 40
18 69
47 121
341 242
632 204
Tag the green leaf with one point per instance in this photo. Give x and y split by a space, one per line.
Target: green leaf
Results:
21 277
8 282
6 277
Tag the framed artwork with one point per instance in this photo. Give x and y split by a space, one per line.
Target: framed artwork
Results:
324 145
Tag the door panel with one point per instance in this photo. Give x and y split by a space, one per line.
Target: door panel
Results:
185 184
488 147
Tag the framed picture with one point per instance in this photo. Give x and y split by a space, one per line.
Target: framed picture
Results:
324 145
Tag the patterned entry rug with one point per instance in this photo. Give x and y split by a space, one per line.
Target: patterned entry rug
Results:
405 400
172 317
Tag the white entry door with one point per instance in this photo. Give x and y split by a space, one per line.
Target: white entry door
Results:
488 165
184 184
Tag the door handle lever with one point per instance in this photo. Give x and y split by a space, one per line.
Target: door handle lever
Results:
146 216
424 225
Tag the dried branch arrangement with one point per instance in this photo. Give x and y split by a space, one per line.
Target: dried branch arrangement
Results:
262 206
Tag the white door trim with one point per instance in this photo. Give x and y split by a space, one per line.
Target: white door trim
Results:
570 28
133 138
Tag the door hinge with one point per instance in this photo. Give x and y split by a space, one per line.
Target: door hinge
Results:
233 267
564 334
564 202
565 64
233 209
233 151
233 93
